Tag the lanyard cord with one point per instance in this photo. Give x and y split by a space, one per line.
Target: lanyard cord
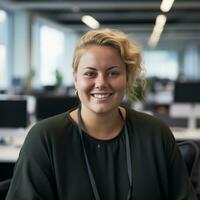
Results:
128 159
91 177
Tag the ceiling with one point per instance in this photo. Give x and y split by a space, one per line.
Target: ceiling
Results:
130 15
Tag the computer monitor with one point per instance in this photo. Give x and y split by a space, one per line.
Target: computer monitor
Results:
13 113
186 102
187 92
47 106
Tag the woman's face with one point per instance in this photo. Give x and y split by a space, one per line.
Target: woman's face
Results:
101 79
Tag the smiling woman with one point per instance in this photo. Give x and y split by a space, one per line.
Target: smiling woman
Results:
128 52
101 79
101 150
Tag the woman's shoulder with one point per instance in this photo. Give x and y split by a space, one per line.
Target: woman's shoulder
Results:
47 130
150 130
146 122
52 123
142 117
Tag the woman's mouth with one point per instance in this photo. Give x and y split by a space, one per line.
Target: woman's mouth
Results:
101 96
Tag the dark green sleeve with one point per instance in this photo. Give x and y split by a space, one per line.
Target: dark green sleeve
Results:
179 184
33 176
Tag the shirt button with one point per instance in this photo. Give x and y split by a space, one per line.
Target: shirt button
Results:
98 146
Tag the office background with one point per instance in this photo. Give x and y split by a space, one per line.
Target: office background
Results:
38 37
37 40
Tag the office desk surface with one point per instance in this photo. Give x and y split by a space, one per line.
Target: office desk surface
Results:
186 134
9 153
11 142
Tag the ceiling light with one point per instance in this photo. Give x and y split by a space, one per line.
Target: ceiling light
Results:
90 21
2 15
166 5
154 39
157 30
161 20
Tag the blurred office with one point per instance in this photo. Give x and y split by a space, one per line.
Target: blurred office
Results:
37 40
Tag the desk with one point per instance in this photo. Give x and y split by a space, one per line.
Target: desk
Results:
186 134
13 138
9 153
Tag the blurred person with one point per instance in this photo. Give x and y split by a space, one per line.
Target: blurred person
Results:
102 150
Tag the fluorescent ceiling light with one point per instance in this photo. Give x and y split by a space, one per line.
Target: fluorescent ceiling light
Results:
161 20
2 15
157 30
90 21
166 5
154 39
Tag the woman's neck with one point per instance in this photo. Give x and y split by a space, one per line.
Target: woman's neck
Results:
103 125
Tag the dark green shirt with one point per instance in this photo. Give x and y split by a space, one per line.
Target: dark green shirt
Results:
51 163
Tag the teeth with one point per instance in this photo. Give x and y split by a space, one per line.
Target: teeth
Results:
101 96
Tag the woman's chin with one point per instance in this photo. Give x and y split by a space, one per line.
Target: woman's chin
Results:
100 109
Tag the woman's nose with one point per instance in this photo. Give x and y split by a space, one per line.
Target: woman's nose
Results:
101 82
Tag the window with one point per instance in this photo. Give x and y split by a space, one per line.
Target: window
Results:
191 70
52 54
2 64
53 47
3 50
161 64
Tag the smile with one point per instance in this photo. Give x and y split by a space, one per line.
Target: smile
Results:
101 96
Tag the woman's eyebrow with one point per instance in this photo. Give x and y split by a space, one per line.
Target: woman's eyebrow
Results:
112 67
91 68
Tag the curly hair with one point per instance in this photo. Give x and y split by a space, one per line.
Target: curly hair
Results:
128 50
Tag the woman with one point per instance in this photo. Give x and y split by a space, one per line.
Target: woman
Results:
101 150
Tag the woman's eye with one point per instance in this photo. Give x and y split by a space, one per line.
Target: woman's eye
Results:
113 73
90 74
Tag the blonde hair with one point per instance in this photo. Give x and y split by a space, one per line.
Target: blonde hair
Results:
128 50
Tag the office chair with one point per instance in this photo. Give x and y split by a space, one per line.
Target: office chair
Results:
190 153
4 186
6 172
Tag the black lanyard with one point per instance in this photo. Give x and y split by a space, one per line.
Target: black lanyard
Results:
128 159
